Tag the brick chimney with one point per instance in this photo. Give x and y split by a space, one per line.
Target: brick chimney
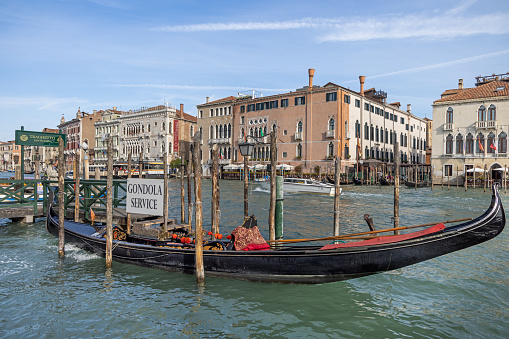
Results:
409 108
207 100
311 72
460 84
362 78
182 110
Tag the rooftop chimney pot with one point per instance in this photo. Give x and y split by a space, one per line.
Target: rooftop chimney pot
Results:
311 72
409 108
460 84
362 78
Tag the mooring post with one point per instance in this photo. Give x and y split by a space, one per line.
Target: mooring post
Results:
61 199
109 205
215 194
485 178
337 169
505 178
431 175
140 165
97 173
200 272
165 194
189 193
474 176
246 187
449 179
37 163
272 210
396 187
279 207
77 190
457 176
182 191
129 164
415 175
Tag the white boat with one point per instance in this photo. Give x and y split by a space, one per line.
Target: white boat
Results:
298 185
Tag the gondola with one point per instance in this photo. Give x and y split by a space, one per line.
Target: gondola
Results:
384 181
411 184
357 181
295 264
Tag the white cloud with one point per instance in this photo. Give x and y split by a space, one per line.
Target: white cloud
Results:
185 87
428 25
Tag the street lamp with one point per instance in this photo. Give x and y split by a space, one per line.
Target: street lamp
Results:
85 160
246 150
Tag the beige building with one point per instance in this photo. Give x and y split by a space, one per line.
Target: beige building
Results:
470 129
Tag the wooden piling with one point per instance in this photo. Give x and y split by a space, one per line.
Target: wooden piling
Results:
396 187
215 194
182 192
189 191
165 194
246 185
457 176
200 271
415 176
77 190
337 169
109 205
61 202
273 162
505 178
431 175
474 176
129 164
485 178
140 165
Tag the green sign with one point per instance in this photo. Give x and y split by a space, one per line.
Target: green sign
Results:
29 138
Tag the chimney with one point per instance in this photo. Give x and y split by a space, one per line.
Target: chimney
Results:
311 72
207 101
114 108
460 84
362 78
409 108
182 110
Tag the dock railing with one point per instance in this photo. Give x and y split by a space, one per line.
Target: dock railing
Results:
30 192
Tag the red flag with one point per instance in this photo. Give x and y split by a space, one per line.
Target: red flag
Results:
493 147
480 146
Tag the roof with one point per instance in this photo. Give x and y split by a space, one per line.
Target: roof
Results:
186 116
489 90
230 98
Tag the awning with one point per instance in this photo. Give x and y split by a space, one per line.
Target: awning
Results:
477 170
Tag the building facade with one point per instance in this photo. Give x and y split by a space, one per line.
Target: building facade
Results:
316 123
470 129
79 130
150 132
107 127
215 122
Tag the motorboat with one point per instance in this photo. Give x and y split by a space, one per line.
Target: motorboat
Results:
300 185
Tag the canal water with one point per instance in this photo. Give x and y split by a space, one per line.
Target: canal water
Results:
460 295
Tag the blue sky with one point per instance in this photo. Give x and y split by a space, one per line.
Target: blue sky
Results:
57 56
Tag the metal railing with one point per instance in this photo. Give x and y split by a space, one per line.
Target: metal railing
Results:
92 194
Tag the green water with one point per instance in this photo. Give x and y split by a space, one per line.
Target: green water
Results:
460 295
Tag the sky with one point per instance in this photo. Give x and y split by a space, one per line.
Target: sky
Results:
63 55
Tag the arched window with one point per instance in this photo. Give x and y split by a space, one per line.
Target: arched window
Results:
263 152
480 147
459 144
243 133
381 134
256 131
211 132
229 152
229 130
330 150
492 112
502 143
449 116
265 130
299 151
225 131
220 131
274 127
299 127
217 132
251 131
491 143
366 131
366 152
191 130
481 113
346 126
331 124
448 144
357 129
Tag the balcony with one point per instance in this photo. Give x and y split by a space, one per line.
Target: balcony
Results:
490 124
330 134
347 136
220 141
298 136
449 126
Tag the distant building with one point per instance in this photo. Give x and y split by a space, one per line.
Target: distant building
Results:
79 130
6 153
316 123
107 127
150 132
470 129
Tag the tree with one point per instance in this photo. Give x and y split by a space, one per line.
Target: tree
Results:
175 163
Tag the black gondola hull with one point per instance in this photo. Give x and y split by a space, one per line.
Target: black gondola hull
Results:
297 264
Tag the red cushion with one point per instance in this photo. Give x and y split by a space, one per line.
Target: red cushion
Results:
256 247
387 239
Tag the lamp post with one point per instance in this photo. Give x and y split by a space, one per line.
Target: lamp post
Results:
85 160
246 150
